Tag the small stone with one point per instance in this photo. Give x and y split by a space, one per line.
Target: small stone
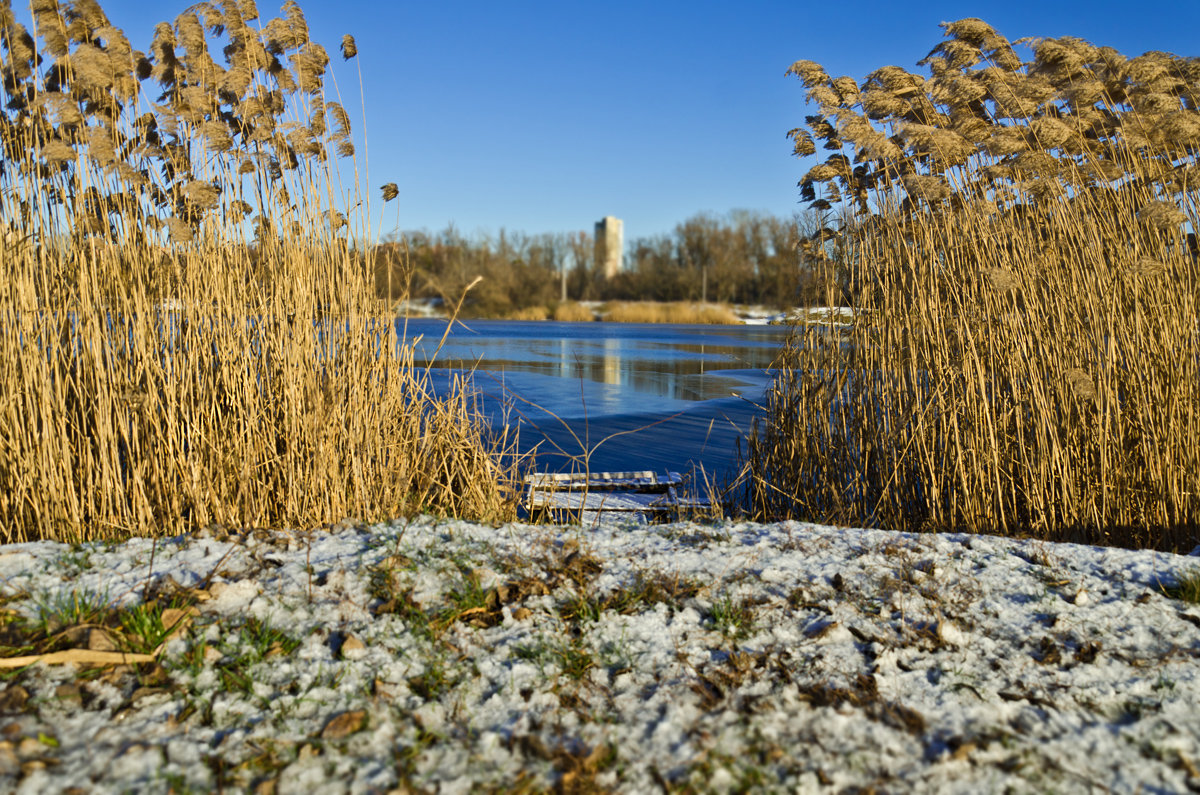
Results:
521 613
69 693
353 648
13 699
30 746
31 766
212 654
1081 598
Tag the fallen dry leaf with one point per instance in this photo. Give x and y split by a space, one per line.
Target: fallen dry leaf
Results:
344 725
177 619
99 640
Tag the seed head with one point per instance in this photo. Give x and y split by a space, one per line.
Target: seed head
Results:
1080 383
179 230
55 151
810 73
928 187
204 195
1162 215
971 30
1002 280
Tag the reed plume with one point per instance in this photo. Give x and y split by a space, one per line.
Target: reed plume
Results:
1021 259
188 330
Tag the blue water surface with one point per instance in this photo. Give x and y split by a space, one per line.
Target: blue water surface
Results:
678 397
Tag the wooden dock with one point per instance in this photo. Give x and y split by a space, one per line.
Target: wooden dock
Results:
641 496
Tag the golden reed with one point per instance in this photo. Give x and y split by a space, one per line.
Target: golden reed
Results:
1017 240
188 334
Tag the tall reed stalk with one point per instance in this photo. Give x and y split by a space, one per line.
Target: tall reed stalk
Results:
188 334
1017 240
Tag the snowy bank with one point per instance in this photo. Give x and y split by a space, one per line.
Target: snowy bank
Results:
448 656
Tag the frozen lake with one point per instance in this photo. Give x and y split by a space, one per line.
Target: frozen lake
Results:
687 392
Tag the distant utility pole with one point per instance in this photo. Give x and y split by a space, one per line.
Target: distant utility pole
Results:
609 245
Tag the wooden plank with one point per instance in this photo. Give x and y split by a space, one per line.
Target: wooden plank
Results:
606 501
606 481
638 495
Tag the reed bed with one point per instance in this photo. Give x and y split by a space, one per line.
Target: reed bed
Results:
529 313
1017 240
188 332
668 312
573 312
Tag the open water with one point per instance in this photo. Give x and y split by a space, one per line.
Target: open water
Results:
680 397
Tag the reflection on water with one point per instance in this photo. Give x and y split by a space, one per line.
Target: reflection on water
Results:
678 396
688 363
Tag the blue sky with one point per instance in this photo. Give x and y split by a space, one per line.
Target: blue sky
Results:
545 116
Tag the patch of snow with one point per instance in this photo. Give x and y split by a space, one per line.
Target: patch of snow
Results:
785 656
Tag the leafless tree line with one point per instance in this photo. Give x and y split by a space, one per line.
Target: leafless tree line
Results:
740 257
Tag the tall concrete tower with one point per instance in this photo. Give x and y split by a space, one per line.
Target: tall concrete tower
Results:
610 245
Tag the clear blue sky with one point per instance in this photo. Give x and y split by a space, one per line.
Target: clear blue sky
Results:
543 116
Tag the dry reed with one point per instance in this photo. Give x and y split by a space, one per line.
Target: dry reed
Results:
669 312
1017 241
573 312
529 313
188 333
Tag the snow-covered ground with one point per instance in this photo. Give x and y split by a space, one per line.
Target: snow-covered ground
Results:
447 656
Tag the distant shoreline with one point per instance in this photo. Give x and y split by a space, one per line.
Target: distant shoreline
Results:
640 312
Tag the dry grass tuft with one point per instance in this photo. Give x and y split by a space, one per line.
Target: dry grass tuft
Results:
669 312
1025 280
159 373
573 312
529 313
